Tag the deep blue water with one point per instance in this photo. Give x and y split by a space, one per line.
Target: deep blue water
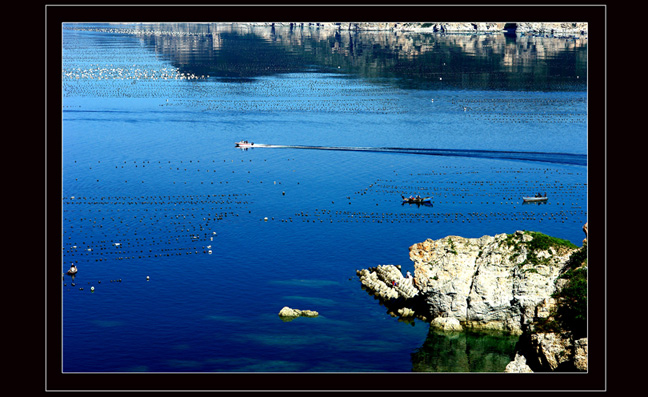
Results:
154 187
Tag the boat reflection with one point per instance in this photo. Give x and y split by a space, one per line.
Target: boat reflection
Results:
534 202
418 204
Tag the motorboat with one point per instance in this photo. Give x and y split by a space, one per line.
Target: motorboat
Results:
244 144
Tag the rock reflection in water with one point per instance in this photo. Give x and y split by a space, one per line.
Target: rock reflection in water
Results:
419 60
464 352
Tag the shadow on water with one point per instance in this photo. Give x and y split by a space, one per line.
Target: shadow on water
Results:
414 60
464 352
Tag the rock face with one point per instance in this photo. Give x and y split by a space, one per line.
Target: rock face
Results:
550 351
563 29
498 283
518 365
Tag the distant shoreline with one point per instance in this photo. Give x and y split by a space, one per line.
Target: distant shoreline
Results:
547 29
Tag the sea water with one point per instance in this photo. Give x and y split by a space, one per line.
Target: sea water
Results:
193 246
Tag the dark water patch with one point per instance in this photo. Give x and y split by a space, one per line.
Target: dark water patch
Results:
464 352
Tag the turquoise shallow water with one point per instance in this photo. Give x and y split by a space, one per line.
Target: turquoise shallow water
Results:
154 187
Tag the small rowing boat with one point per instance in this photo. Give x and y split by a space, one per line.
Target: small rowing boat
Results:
416 200
534 199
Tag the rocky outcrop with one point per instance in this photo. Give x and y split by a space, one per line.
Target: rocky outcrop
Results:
397 292
501 282
387 282
289 314
447 324
513 283
497 283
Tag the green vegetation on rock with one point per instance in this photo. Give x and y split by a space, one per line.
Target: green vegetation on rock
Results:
539 242
571 313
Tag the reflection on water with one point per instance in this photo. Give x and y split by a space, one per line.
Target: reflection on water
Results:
419 60
464 352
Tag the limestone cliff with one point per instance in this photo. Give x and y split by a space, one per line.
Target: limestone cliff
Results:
499 283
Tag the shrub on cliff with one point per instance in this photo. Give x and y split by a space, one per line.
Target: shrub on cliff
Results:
536 243
572 303
571 313
542 242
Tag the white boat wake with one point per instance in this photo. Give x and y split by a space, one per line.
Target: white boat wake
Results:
548 157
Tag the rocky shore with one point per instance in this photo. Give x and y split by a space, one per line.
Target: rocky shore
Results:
518 283
562 29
